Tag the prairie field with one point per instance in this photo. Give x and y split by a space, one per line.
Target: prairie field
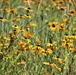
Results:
37 37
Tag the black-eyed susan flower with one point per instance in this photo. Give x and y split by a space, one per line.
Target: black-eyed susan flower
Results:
3 19
14 19
16 31
51 44
29 9
27 16
21 16
38 49
62 8
13 10
16 26
60 2
53 25
60 27
71 12
48 50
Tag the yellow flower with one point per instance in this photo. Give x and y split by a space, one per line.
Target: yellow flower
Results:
21 16
21 63
20 43
54 65
61 2
16 31
28 34
73 50
38 41
49 44
60 60
7 57
58 68
71 12
32 24
30 46
29 9
13 10
44 54
8 39
3 20
60 27
49 51
55 58
26 1
16 26
46 63
27 16
28 40
53 25
53 28
40 50
14 19
62 8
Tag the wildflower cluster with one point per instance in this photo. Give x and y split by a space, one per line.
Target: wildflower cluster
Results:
37 37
